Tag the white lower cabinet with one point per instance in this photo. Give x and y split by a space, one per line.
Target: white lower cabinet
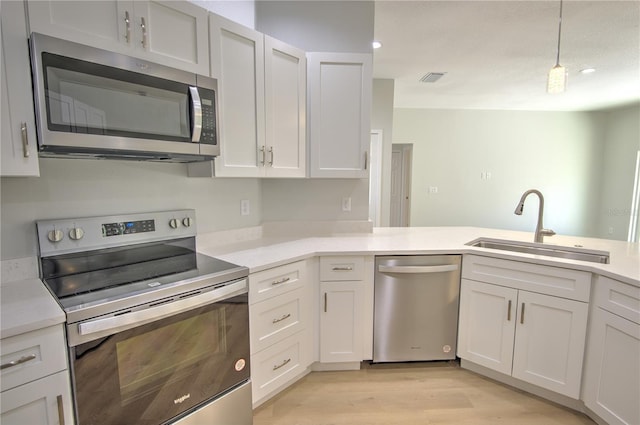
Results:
346 309
35 381
341 322
612 374
280 312
46 401
535 337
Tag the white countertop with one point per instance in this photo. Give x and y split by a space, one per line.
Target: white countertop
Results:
27 305
261 254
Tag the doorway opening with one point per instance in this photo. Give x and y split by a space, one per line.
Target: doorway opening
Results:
401 160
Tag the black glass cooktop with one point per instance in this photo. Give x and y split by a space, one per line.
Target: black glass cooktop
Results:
155 263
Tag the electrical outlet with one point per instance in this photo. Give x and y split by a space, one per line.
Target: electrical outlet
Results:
245 207
346 204
610 230
433 189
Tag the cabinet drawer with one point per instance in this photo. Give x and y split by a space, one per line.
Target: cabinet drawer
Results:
618 298
275 366
33 355
275 319
275 281
565 283
345 267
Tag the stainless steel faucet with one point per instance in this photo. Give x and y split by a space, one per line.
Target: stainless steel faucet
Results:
540 231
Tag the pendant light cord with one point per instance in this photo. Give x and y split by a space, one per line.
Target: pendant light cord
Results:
559 33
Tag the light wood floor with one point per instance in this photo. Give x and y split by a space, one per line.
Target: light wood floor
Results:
420 394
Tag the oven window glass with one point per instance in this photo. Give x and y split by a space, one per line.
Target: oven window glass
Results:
84 97
150 374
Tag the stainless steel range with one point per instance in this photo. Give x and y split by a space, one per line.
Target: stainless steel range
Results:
157 333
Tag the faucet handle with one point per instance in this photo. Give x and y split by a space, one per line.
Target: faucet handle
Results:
547 232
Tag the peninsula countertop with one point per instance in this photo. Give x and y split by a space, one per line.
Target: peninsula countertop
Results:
263 253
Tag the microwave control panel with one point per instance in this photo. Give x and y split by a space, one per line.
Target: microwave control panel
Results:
208 102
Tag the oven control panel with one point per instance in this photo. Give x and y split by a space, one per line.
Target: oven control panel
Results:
127 227
82 234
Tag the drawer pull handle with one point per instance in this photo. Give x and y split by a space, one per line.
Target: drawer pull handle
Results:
342 269
284 317
281 281
60 410
522 315
509 312
325 302
283 364
21 360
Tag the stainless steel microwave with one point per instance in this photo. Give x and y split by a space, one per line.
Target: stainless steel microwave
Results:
92 103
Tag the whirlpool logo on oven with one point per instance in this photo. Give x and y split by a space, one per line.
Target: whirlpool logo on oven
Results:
181 399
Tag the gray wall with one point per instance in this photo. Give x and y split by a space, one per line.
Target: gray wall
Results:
621 144
319 26
559 153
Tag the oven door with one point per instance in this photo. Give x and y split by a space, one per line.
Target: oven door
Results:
164 369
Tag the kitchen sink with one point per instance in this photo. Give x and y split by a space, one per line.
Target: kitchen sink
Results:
572 253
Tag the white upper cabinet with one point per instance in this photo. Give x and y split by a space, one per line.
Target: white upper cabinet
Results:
171 33
262 104
339 90
285 106
237 61
19 147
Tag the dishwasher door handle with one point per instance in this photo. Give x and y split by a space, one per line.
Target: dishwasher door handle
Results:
418 269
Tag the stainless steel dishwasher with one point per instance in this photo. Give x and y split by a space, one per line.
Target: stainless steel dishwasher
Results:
416 307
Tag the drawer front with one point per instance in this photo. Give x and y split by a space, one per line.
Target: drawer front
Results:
618 298
274 319
275 366
278 280
336 268
556 281
32 355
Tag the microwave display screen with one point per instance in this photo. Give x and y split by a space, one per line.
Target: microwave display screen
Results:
85 97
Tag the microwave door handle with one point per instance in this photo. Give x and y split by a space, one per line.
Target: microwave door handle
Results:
196 114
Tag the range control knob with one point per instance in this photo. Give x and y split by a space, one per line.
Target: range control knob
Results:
76 233
55 235
174 223
187 221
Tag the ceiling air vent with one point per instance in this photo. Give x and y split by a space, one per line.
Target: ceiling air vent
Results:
432 77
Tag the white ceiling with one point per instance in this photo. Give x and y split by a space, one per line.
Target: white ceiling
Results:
496 54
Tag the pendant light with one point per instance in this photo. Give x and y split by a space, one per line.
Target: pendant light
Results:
557 79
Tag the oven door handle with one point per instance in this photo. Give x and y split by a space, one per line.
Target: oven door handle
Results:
114 324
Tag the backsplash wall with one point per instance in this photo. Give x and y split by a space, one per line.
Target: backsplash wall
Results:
79 188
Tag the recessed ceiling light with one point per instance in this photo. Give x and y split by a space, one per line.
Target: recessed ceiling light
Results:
587 71
376 44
